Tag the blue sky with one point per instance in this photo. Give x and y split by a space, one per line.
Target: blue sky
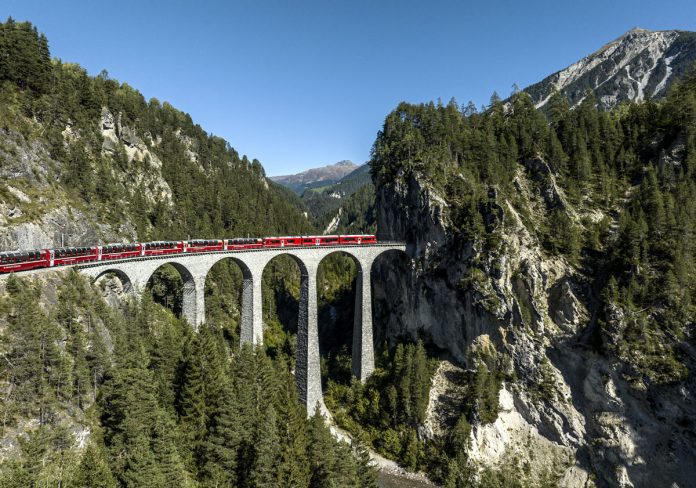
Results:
298 84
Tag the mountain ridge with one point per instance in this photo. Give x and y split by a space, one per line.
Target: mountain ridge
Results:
313 177
637 65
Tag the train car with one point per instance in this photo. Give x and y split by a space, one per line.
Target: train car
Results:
355 240
159 248
203 245
243 243
285 241
321 240
120 251
74 255
329 240
291 241
311 240
24 260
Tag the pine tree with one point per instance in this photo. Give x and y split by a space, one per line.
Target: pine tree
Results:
321 452
219 459
93 470
165 451
191 403
139 463
366 473
264 472
420 382
410 454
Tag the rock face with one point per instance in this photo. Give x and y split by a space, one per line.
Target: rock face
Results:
148 178
37 213
568 402
639 65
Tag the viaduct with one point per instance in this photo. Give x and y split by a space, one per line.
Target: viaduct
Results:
193 268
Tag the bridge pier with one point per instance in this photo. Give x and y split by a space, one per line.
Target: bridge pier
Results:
307 366
363 356
251 324
194 268
193 307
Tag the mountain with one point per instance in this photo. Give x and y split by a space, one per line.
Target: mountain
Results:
87 159
129 395
346 206
640 64
555 265
316 177
349 184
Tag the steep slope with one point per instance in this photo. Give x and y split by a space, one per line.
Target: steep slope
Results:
343 207
559 260
640 64
86 159
316 177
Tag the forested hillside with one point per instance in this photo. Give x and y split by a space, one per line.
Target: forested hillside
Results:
555 262
345 207
90 158
540 333
94 396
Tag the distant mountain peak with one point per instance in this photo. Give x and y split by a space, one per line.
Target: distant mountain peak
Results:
636 30
638 65
312 178
346 162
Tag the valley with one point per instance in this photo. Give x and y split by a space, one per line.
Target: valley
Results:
533 324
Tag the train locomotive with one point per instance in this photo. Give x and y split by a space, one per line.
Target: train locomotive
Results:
15 261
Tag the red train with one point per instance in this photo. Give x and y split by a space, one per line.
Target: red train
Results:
65 256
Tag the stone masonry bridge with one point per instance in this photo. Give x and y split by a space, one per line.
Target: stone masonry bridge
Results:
193 268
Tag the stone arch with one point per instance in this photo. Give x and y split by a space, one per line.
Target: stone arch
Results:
249 283
297 258
193 305
275 257
362 324
120 274
387 266
307 370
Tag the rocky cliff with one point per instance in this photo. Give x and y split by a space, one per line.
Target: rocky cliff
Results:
570 403
539 312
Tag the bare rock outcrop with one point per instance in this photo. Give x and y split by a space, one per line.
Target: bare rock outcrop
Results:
569 402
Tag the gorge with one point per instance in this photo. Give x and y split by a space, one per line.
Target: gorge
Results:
540 331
